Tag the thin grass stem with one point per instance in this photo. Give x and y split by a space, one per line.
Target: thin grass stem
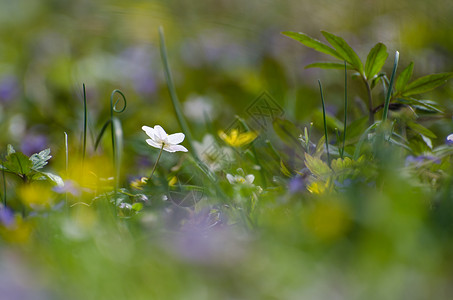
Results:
325 122
85 118
345 107
173 95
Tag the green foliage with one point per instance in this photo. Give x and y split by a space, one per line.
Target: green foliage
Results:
27 168
375 60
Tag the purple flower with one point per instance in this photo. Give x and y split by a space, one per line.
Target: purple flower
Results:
33 143
68 187
418 160
6 216
8 89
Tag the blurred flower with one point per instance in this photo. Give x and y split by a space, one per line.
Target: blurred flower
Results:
197 107
214 156
235 179
6 216
161 140
36 196
297 184
69 186
418 160
236 139
33 143
139 183
8 88
449 139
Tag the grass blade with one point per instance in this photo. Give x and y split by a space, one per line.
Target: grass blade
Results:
173 96
390 88
345 107
325 123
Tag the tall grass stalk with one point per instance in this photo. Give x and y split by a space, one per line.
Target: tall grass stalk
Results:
85 118
325 122
173 95
66 163
345 108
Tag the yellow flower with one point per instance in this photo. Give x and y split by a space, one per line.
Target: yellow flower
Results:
236 139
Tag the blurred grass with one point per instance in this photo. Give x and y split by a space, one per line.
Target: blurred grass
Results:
386 245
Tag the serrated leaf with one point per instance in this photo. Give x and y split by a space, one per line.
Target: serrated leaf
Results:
40 159
10 150
404 77
54 178
317 167
312 43
426 83
328 65
18 163
420 129
375 60
346 52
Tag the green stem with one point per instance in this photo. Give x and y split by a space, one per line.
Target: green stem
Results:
84 124
345 107
173 96
370 101
66 164
157 161
325 122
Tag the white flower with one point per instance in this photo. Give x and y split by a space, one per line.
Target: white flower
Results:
159 138
214 156
239 179
450 139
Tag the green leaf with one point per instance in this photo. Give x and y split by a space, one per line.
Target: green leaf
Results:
426 83
17 162
328 65
40 159
420 129
375 60
316 166
312 43
404 77
424 105
10 150
54 178
284 169
346 52
137 206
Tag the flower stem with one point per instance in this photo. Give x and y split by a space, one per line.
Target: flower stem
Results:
157 161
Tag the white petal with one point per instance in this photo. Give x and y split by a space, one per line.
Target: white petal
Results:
249 178
153 143
160 132
149 131
230 178
176 138
174 148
